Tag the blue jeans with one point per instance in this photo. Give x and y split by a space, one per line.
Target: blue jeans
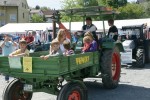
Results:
6 78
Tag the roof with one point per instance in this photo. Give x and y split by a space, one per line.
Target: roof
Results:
48 12
34 11
22 27
11 2
14 28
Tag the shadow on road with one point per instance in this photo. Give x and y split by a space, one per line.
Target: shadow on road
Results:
96 91
147 66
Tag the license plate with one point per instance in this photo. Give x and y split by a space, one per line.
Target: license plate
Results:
28 87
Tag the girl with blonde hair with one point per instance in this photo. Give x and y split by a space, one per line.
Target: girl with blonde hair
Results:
61 37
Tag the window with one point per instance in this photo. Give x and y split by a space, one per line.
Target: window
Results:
2 22
13 17
2 12
23 15
22 5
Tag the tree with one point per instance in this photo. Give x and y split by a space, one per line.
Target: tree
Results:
37 7
146 7
37 19
131 11
44 8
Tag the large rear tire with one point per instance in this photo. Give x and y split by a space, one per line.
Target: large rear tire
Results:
73 91
140 58
111 68
147 51
14 91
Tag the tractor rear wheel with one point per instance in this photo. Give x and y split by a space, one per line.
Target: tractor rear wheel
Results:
73 91
111 68
14 91
140 58
147 51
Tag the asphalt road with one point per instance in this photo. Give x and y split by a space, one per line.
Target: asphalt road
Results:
134 85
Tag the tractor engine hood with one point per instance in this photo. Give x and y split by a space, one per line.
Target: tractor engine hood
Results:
128 44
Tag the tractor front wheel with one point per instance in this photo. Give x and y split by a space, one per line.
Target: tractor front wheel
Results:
14 91
73 91
111 68
140 58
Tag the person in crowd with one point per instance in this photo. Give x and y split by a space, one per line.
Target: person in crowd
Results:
22 52
90 27
29 39
75 37
68 50
37 39
54 51
49 37
7 47
113 29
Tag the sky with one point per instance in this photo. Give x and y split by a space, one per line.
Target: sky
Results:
53 4
48 3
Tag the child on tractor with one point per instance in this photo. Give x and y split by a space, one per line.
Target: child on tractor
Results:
23 51
68 50
90 44
54 51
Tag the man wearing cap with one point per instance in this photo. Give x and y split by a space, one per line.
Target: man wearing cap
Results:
90 27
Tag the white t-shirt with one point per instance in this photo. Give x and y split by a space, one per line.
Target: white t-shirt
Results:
91 29
37 38
62 46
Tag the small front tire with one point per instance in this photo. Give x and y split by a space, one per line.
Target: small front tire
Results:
73 91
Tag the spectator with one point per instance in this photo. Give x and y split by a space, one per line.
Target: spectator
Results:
29 39
7 48
37 39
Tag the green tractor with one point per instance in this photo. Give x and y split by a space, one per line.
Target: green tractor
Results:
32 74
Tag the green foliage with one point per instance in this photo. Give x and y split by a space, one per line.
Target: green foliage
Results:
44 8
130 11
37 19
116 3
146 8
127 10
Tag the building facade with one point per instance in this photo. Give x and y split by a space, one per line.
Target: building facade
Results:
13 11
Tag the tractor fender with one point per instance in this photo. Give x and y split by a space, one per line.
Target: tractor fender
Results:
111 45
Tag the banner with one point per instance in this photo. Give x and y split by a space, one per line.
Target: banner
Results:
27 64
